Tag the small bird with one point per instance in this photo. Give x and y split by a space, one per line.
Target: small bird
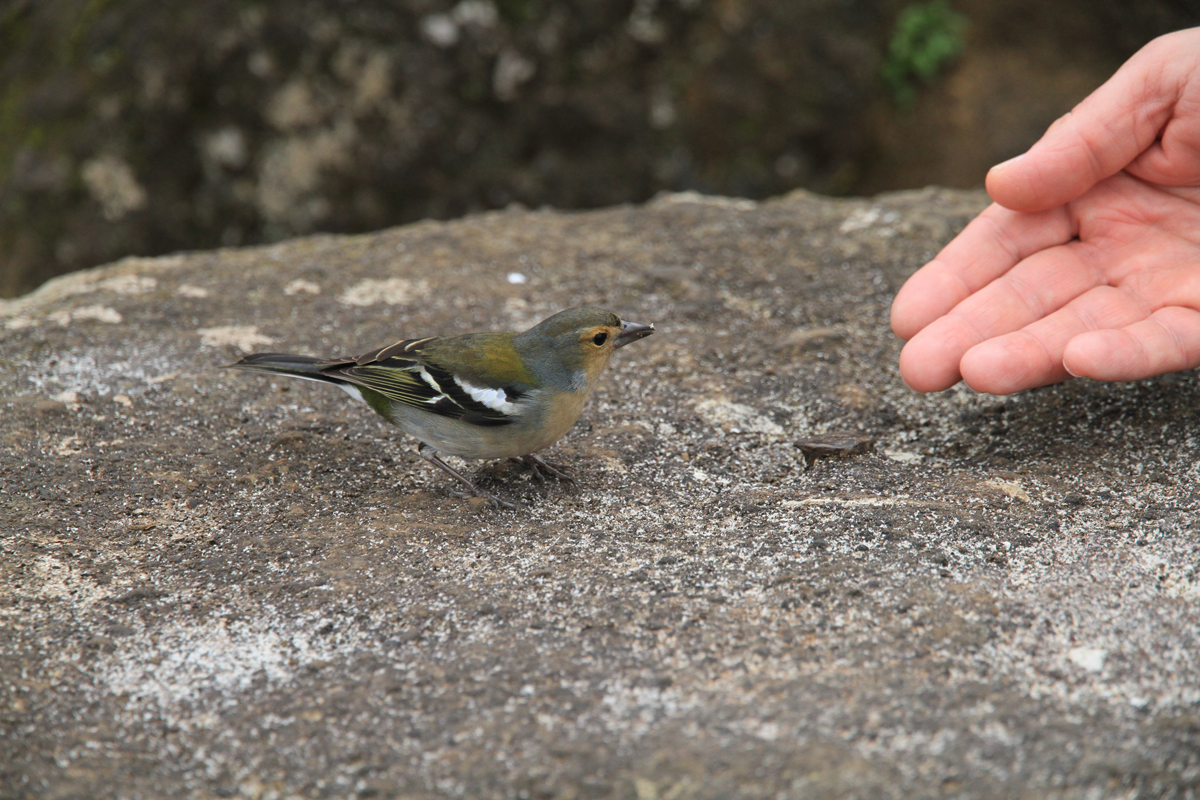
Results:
478 395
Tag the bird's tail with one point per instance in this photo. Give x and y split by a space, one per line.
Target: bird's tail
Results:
287 364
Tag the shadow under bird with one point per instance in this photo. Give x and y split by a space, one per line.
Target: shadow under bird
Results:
478 395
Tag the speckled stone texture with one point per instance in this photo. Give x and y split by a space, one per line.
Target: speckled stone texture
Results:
225 585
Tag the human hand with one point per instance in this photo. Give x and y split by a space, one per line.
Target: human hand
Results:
1088 262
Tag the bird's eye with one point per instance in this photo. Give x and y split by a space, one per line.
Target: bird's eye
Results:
600 338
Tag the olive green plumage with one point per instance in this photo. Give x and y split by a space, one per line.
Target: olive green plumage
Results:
479 395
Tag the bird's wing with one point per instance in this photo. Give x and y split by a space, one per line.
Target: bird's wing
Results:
403 374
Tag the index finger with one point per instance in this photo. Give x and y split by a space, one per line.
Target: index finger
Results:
992 244
1104 133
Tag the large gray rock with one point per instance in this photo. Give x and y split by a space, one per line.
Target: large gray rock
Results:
219 584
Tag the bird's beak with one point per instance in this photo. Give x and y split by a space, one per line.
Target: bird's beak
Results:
632 331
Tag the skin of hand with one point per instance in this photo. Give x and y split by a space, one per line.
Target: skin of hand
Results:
1088 262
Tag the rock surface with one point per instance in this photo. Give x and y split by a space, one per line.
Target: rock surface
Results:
222 585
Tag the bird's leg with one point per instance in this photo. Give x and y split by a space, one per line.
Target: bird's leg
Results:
541 468
429 454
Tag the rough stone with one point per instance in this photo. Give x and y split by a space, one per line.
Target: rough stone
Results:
838 444
221 585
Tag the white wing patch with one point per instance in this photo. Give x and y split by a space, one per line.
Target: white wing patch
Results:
425 376
495 399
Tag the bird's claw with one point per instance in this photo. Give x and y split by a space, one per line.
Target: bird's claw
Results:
429 454
539 469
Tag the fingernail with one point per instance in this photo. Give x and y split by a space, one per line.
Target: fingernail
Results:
1070 372
1009 163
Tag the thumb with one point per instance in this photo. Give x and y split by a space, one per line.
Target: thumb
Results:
1097 139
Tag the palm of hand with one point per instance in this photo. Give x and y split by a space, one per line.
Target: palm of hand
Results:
1096 276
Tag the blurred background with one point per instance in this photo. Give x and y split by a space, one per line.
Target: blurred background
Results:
142 127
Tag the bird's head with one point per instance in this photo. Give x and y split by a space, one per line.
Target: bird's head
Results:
573 346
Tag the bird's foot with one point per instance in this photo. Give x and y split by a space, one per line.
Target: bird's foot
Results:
429 454
539 469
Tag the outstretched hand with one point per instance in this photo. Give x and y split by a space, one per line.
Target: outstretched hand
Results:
1088 262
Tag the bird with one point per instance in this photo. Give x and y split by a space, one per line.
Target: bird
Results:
478 395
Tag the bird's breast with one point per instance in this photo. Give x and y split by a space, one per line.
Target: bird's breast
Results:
538 423
558 416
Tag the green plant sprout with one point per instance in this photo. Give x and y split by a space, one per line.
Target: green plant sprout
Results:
927 37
